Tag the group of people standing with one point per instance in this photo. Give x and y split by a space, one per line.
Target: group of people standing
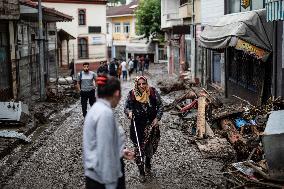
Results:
103 139
121 67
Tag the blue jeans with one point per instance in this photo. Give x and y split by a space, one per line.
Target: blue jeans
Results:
124 75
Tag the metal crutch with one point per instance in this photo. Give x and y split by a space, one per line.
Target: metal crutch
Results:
139 148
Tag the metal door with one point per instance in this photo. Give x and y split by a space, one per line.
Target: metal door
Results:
217 68
5 67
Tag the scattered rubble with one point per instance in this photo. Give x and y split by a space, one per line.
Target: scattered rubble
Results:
60 88
14 134
231 129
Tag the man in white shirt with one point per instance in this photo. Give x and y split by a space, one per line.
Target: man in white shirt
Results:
124 70
131 67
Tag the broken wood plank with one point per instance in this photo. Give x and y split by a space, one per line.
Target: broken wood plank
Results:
200 129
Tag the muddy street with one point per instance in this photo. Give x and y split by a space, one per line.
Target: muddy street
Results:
54 158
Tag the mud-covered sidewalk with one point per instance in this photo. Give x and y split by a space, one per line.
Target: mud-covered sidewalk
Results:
54 158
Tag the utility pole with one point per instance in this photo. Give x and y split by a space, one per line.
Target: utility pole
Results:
41 53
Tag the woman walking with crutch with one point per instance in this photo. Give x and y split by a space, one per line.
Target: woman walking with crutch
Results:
144 107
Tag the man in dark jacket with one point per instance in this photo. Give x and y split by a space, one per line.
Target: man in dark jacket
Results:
103 69
112 68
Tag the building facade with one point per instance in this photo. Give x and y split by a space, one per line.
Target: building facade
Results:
89 29
122 40
244 39
181 21
9 15
19 51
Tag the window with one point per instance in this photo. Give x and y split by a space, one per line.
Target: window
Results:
234 6
126 27
95 29
257 4
82 48
82 17
117 28
162 54
107 28
245 70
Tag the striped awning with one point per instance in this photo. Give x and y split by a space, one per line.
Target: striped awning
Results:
274 10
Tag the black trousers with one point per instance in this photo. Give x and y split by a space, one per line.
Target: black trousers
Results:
92 184
85 96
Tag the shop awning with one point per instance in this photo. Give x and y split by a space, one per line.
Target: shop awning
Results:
249 26
29 11
64 35
140 48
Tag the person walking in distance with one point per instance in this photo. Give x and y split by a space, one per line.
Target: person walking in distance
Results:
86 86
124 70
103 68
119 69
135 64
130 67
144 108
103 140
112 68
147 62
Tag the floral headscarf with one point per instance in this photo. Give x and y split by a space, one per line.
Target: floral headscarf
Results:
142 97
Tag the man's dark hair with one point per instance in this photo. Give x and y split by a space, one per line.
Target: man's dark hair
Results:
107 89
86 63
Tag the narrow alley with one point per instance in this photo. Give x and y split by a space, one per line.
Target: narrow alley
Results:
54 158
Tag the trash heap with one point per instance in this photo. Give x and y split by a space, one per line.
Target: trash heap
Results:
60 88
231 130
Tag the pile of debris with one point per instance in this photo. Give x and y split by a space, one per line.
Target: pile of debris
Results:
232 130
61 88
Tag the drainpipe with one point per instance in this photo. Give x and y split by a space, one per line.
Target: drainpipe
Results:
68 53
193 64
41 53
274 60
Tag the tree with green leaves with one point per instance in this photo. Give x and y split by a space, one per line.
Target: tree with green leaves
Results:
148 18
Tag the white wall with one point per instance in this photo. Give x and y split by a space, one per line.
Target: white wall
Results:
211 10
95 16
170 13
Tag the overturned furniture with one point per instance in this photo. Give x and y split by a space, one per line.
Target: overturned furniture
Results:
273 144
14 112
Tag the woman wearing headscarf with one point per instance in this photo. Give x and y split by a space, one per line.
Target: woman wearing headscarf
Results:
103 139
144 107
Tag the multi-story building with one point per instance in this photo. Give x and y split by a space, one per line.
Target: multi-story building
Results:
122 40
181 22
89 29
246 39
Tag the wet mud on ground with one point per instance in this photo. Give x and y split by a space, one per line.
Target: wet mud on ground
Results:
54 158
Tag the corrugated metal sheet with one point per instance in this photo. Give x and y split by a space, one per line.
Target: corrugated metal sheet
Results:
274 10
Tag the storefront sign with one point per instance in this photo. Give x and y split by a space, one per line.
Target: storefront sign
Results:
245 3
97 40
251 49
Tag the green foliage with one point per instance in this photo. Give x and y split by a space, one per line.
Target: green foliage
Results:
148 15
